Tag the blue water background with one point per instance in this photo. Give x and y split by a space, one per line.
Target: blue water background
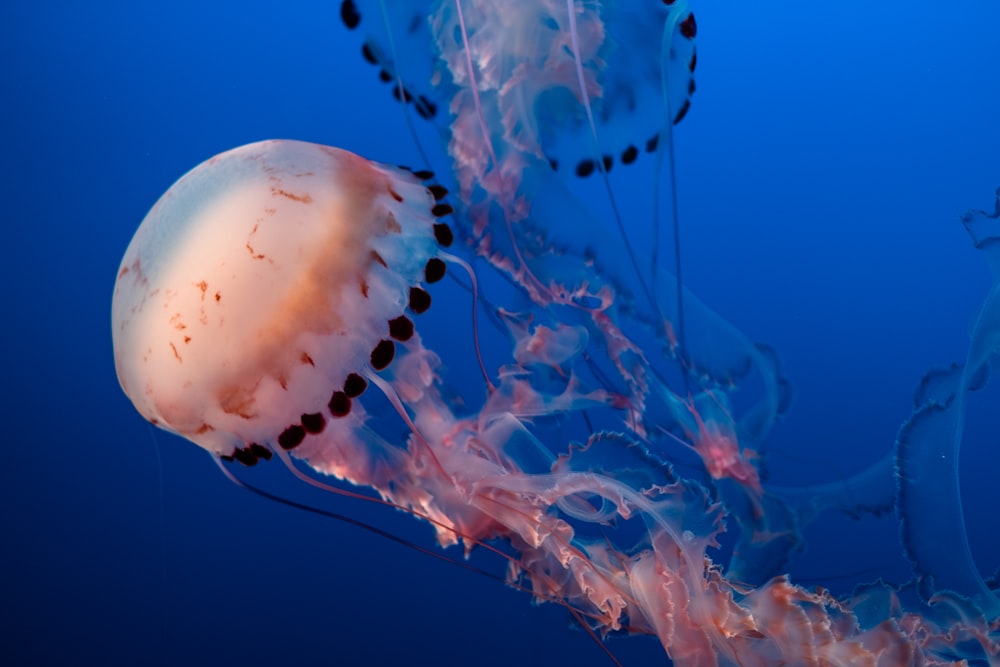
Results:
822 169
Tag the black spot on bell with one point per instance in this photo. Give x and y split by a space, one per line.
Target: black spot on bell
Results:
630 154
368 54
313 423
420 300
355 385
261 451
652 143
425 108
382 354
683 112
688 27
424 174
292 437
349 14
401 328
438 191
340 404
245 456
585 168
607 161
434 270
405 96
443 232
441 210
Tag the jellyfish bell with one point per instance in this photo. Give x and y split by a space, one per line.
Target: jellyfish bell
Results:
264 289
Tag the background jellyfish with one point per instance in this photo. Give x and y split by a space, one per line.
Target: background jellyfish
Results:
803 134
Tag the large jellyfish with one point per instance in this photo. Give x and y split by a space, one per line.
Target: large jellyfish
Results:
274 297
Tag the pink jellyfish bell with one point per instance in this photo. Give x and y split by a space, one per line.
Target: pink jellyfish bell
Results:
264 291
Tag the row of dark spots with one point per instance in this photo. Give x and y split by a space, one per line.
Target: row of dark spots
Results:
340 401
442 232
435 268
309 424
688 28
313 423
351 18
401 328
441 209
586 167
426 109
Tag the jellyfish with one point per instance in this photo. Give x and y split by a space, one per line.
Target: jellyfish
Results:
542 94
258 309
527 96
274 301
275 287
927 450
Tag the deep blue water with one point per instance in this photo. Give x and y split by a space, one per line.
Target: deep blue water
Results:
822 169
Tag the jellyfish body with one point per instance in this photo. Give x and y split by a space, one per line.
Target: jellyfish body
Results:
264 286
